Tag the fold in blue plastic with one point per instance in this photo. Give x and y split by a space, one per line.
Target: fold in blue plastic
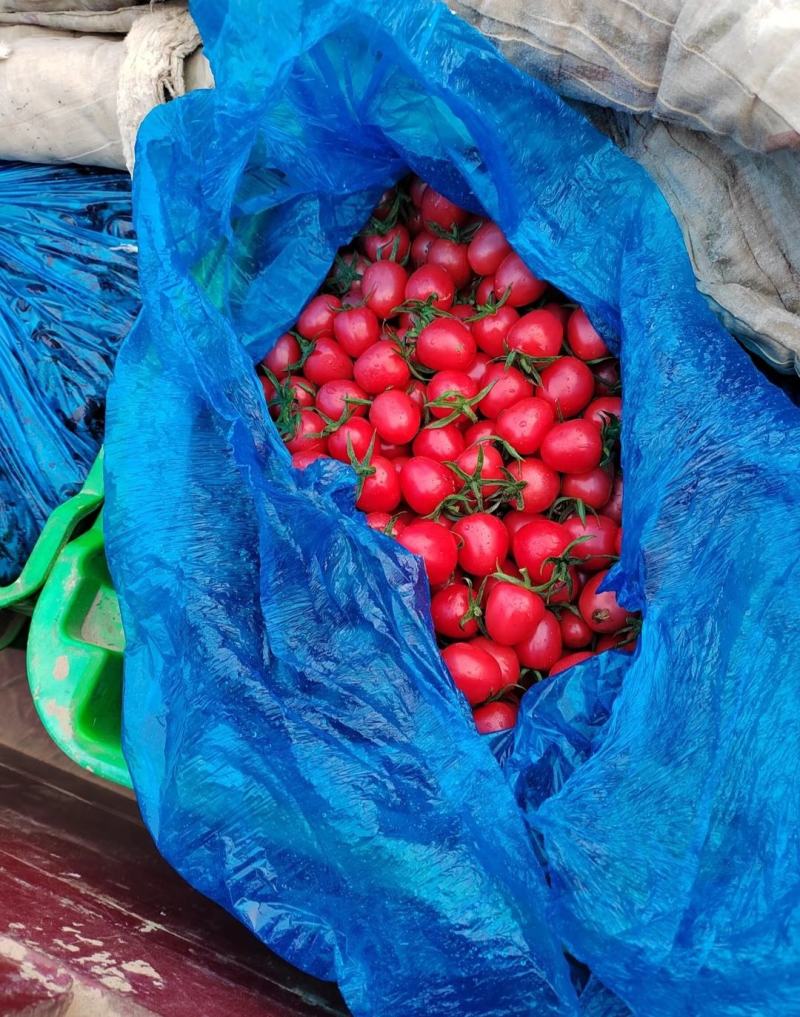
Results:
68 296
297 749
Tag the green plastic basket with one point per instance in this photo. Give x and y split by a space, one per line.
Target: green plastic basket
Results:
75 648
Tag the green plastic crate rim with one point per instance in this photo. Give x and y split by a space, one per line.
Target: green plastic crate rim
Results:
74 661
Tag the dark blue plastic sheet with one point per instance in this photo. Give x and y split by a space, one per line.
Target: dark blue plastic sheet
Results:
68 296
297 749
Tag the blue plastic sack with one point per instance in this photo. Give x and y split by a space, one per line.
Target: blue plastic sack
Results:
298 751
68 296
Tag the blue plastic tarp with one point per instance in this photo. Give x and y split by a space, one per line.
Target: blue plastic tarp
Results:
298 751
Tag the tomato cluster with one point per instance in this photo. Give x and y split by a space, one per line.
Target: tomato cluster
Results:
481 413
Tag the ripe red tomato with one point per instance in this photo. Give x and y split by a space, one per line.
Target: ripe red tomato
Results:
399 455
575 633
418 391
327 362
491 331
512 273
333 395
479 433
543 647
606 377
480 365
316 318
536 334
452 257
508 386
618 541
356 329
599 551
568 384
449 387
485 290
380 491
360 433
439 443
620 641
283 354
561 312
431 281
515 520
613 507
425 484
583 340
600 611
440 211
512 613
491 467
302 459
446 344
473 670
448 607
601 410
395 416
487 249
384 287
572 447
569 660
505 656
306 435
541 484
420 247
495 716
524 424
435 544
416 189
592 488
535 543
393 245
381 367
482 543
304 392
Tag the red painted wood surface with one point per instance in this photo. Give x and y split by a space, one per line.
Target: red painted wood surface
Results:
90 915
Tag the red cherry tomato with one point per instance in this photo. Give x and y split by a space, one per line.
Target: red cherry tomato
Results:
416 189
561 312
512 613
491 466
449 388
535 543
439 443
606 377
384 287
613 507
435 544
420 247
425 484
473 670
327 362
575 633
496 716
302 459
505 656
393 245
598 552
583 340
418 391
541 484
572 447
491 331
515 520
543 647
479 433
601 410
485 290
568 384
487 249
317 316
512 273
452 257
431 281
524 424
618 541
482 543
440 211
282 356
332 399
480 365
508 386
536 334
359 431
600 611
380 491
395 416
306 435
592 488
620 641
566 592
569 660
446 344
449 605
303 391
381 367
356 329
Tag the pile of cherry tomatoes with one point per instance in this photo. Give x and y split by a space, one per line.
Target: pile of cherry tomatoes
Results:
481 414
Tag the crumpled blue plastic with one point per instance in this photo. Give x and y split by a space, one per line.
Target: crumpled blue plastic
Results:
297 749
68 296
